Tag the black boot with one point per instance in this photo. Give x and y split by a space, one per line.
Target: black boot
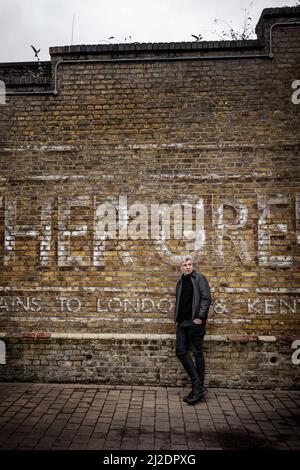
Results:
191 394
198 394
187 397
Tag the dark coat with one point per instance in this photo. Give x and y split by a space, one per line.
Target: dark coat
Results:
201 296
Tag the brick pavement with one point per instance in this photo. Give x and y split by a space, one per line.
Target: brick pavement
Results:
72 416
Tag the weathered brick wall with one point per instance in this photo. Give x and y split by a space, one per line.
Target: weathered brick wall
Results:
208 126
116 358
26 74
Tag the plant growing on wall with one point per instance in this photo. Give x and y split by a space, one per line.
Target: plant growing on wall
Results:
39 72
229 32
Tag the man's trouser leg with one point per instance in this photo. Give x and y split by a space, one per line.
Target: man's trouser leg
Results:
182 343
196 338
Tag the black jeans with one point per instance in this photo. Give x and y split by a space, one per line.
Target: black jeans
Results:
189 336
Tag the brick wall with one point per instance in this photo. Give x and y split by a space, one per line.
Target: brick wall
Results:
147 358
116 130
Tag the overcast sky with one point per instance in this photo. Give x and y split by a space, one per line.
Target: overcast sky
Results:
46 23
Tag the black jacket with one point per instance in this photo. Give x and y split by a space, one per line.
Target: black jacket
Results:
201 296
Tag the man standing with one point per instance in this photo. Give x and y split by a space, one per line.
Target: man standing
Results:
191 309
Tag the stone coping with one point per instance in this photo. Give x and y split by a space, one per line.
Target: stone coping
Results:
155 47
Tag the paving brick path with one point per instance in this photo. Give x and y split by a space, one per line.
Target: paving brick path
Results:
64 416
